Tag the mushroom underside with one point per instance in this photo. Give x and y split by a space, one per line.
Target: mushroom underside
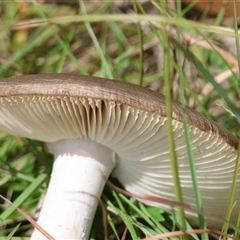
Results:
139 140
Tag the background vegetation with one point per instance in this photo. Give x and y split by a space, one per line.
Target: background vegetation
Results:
162 45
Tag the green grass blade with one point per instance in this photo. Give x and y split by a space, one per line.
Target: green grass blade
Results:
146 214
236 30
141 56
15 238
232 191
127 220
208 77
237 231
60 63
96 44
173 157
197 194
9 237
40 37
19 200
110 222
60 41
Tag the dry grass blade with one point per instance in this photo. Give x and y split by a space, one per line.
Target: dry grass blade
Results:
188 232
29 24
129 18
199 41
232 60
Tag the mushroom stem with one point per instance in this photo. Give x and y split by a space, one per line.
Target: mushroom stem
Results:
79 172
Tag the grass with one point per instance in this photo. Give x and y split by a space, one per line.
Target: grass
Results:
150 45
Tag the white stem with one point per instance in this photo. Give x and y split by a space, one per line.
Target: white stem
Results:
78 173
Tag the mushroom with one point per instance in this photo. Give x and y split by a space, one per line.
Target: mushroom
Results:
94 126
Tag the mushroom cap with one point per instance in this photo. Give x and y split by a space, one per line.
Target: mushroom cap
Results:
130 120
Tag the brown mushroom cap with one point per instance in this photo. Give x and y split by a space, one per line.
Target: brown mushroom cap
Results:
131 120
69 86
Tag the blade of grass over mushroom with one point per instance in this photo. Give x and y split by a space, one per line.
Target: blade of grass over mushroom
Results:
173 157
197 193
183 79
232 192
207 74
198 199
208 77
22 197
